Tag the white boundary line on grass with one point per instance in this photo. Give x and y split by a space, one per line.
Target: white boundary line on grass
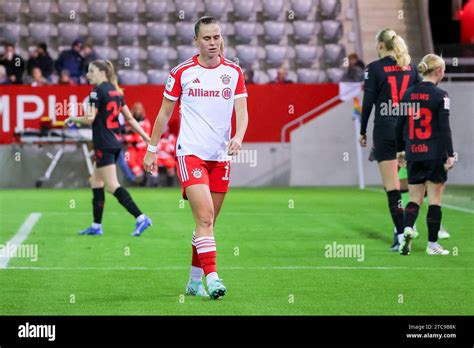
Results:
20 236
449 206
170 268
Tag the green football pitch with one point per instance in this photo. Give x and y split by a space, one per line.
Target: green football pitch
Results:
275 253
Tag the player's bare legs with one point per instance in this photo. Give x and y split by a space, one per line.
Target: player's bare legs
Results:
204 245
108 175
217 201
389 172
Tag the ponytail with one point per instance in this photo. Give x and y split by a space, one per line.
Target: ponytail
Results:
400 51
112 77
395 46
107 67
221 49
430 63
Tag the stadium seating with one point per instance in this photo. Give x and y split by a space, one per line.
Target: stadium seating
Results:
158 34
274 31
302 8
311 76
335 74
129 33
159 56
12 32
39 9
100 32
131 77
273 9
68 32
130 56
157 77
185 32
329 9
42 32
217 8
245 10
156 9
70 9
106 52
305 31
10 9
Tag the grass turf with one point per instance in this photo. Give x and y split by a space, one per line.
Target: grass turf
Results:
271 254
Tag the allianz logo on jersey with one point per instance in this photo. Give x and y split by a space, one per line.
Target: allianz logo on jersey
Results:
226 93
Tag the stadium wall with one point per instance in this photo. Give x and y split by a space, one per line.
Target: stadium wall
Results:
321 152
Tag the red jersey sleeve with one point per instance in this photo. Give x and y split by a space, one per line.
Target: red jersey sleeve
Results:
173 86
240 89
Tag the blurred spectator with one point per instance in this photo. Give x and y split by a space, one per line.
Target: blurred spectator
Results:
65 78
248 76
282 74
40 58
89 55
72 61
355 70
13 63
137 147
166 156
37 78
4 80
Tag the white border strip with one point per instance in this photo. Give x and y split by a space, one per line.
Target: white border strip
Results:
20 236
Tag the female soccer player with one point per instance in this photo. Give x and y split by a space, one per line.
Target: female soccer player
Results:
428 151
105 103
386 80
208 87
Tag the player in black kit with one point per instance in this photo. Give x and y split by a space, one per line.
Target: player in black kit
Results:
386 80
425 136
105 104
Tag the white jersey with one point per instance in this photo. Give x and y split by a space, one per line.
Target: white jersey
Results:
206 104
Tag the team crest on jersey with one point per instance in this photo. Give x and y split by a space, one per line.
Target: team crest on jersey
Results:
197 173
225 79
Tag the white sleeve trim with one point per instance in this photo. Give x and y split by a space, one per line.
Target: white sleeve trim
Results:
237 96
170 97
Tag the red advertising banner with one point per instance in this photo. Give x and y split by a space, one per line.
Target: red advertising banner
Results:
270 107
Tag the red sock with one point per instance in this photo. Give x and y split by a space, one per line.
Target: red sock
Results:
206 250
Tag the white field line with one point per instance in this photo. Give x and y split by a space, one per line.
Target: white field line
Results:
267 268
20 236
449 206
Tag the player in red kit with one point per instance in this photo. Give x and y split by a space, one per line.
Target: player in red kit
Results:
208 88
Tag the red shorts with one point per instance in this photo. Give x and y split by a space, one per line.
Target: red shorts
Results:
192 170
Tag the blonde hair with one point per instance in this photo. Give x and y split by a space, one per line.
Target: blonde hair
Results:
430 63
107 67
394 46
221 49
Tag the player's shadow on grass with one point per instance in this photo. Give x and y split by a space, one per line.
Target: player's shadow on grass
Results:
373 234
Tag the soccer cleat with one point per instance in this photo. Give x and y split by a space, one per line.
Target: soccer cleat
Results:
196 288
91 231
216 289
408 236
140 227
436 250
443 234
